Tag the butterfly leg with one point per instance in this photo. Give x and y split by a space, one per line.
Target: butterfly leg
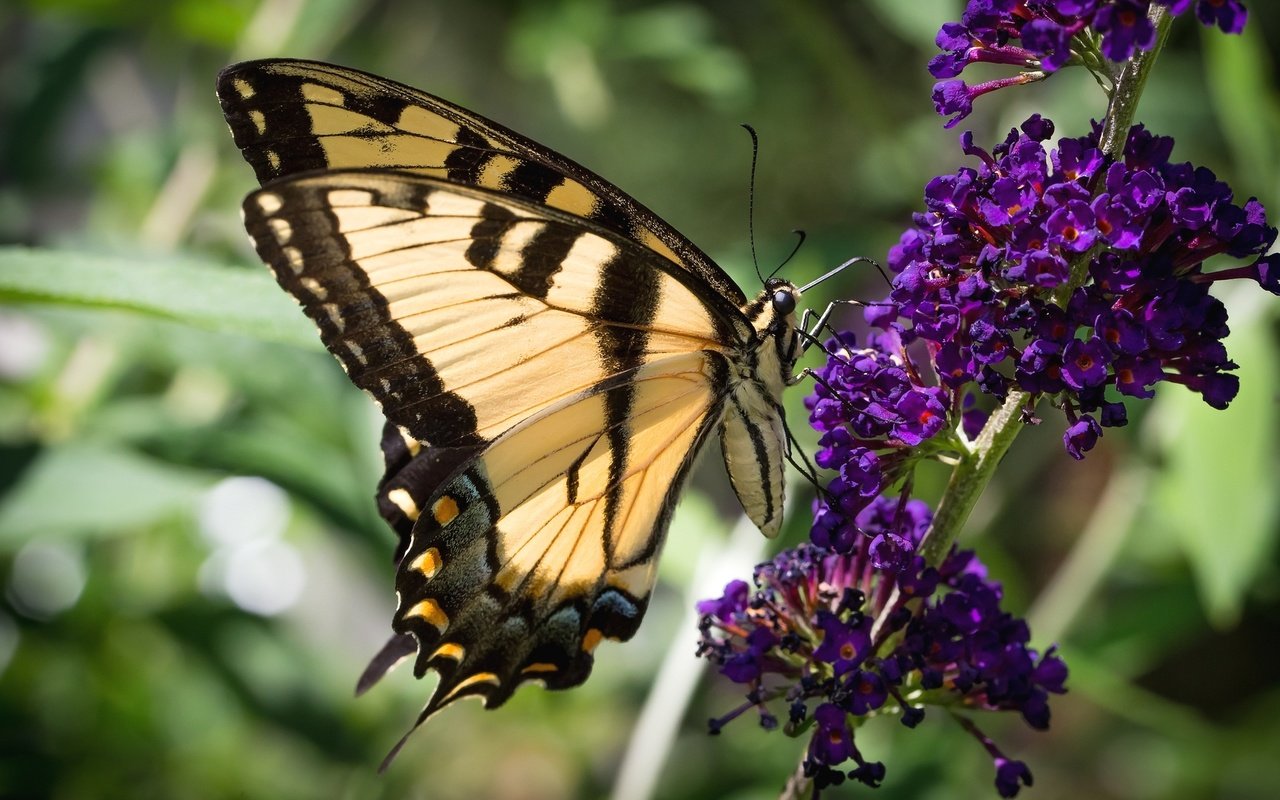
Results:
810 334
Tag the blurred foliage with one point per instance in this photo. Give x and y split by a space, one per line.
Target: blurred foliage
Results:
193 570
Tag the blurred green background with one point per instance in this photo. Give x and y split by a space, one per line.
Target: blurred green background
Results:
193 572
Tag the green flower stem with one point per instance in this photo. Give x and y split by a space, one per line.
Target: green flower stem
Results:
1129 85
972 474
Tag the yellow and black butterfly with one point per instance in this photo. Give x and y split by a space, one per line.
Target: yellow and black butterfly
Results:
549 354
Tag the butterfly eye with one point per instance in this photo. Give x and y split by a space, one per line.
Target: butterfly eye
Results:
784 302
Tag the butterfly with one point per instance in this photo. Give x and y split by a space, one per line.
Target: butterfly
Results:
550 357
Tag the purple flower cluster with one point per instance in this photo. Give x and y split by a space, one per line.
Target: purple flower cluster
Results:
1043 36
877 417
875 631
1058 273
982 271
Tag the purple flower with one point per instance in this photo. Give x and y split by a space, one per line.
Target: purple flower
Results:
1217 390
748 665
974 420
953 97
1125 28
870 405
844 644
1081 436
921 413
1229 15
1123 335
863 474
832 743
1075 159
1134 375
1073 225
1011 776
1267 273
1085 363
724 608
956 97
867 692
1037 37
977 278
1051 40
1121 227
1051 672
890 552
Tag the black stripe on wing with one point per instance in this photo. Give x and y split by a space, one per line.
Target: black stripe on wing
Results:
380 356
621 291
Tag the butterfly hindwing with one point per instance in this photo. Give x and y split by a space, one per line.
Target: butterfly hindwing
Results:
290 117
548 542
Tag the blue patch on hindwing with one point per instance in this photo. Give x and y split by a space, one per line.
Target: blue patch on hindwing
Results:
615 614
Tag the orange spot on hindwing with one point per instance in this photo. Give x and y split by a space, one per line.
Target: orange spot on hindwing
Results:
444 510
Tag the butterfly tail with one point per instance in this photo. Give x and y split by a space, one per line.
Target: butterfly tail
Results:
397 649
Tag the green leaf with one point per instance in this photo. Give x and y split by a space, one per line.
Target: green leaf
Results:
205 295
1217 491
91 489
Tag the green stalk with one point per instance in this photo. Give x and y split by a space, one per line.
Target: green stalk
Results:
1129 85
975 468
971 476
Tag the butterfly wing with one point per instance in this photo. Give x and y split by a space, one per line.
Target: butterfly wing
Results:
464 312
547 543
292 116
562 378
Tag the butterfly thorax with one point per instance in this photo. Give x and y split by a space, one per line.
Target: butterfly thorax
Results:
776 347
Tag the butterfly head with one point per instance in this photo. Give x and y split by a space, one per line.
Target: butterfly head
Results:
773 315
775 307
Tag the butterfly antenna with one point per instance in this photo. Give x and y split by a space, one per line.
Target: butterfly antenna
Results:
800 241
751 199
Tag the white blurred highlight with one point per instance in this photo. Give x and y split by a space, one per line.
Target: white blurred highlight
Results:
244 518
47 579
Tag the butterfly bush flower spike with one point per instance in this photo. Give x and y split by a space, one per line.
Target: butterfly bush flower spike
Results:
829 640
878 416
981 275
1041 37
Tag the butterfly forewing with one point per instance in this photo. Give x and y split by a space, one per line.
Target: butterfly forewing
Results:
464 312
292 116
